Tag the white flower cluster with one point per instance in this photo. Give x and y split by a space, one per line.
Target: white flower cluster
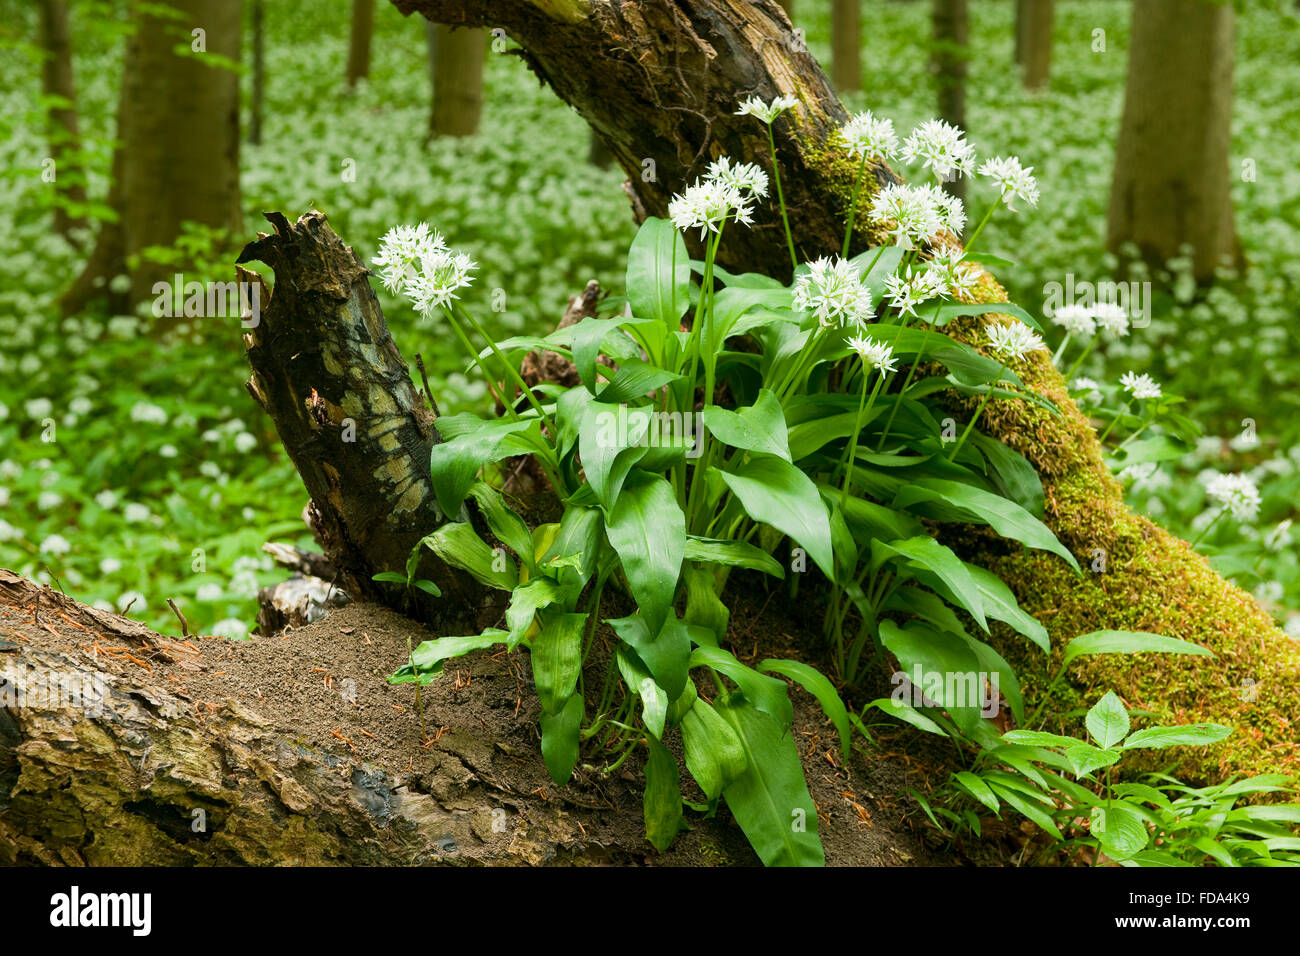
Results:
726 191
941 148
1236 493
767 112
833 291
949 263
906 290
1014 180
415 262
1014 340
1141 386
867 136
877 355
1084 320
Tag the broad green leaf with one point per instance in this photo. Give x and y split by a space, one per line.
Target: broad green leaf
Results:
713 751
1085 758
1014 476
557 659
578 533
648 530
704 609
427 659
1107 721
662 801
946 566
1154 858
455 463
459 545
560 739
815 683
390 577
1129 642
758 428
1005 517
978 789
736 554
770 800
776 493
766 693
1121 831
635 379
940 666
654 702
665 655
659 272
525 602
1038 738
1000 604
952 310
611 441
508 527
908 714
1027 808
1189 735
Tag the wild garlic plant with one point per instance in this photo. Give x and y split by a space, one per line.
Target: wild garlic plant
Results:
728 421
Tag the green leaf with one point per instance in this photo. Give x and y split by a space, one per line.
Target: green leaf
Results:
815 683
1012 473
654 702
978 789
1000 604
458 545
1038 738
1189 735
952 310
908 714
427 659
635 379
1128 642
758 428
455 463
560 739
611 440
1107 721
704 609
1085 758
770 800
557 659
579 533
948 669
1027 808
713 751
390 577
1120 830
665 655
662 801
766 693
648 530
776 493
508 527
736 554
1005 517
659 273
946 566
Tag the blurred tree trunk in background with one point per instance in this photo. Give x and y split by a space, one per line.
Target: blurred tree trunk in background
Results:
65 139
259 75
180 130
1034 41
1171 182
846 45
456 59
363 28
950 60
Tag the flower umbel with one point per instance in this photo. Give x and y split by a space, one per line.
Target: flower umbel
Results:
1112 318
877 355
1141 386
416 262
833 291
866 135
1236 493
1014 180
941 148
767 112
911 211
1075 319
1014 340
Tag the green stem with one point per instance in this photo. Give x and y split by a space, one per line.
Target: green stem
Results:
864 406
1061 349
971 424
1206 530
473 354
780 197
853 206
1083 355
1120 414
884 436
970 243
511 371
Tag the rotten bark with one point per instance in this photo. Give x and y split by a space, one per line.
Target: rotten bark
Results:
327 371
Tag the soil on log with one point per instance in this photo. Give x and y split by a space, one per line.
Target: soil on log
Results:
294 749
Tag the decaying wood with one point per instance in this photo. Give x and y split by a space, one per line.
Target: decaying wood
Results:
327 371
133 767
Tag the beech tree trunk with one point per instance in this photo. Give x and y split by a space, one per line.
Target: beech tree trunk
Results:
1172 179
661 82
65 139
846 45
456 68
950 60
363 28
1034 41
259 74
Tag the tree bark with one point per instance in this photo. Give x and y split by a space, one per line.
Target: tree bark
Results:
259 74
326 370
456 69
949 61
1171 185
1034 41
662 83
846 45
363 28
65 139
123 747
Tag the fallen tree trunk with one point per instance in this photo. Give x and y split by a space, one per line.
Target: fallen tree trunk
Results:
120 746
660 82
